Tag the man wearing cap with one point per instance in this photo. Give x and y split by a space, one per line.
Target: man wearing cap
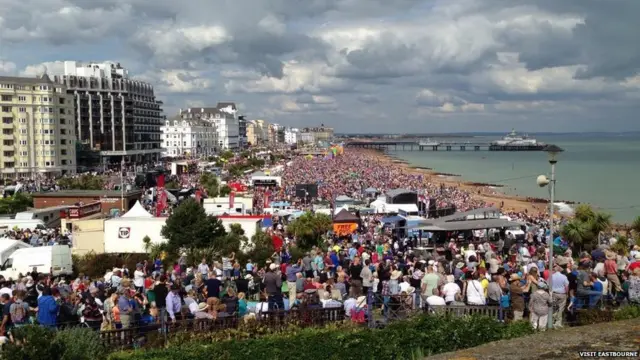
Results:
273 286
174 303
560 289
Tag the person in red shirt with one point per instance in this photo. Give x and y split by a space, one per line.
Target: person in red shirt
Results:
611 270
634 265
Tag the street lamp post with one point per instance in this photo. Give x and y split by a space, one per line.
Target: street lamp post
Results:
552 151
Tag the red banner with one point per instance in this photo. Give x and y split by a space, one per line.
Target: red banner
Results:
266 200
198 196
277 242
162 201
160 181
232 198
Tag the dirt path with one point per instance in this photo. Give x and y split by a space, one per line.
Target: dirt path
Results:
558 344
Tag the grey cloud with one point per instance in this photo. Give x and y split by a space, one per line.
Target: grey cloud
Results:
368 99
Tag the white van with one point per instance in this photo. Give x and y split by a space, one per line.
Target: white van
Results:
11 224
56 258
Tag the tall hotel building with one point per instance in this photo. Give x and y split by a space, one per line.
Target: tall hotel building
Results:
38 128
116 116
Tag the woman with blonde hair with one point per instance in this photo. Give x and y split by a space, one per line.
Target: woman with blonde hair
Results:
242 304
214 307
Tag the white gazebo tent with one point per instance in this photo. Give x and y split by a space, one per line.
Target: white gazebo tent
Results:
137 211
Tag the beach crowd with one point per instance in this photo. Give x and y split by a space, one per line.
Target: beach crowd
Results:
371 270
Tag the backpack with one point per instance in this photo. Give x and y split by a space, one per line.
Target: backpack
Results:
18 313
358 315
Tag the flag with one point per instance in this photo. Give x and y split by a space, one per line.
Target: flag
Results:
198 196
232 197
161 197
266 200
277 242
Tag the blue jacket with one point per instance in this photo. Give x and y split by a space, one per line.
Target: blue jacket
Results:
47 311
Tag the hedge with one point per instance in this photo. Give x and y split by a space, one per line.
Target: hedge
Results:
426 334
35 342
96 265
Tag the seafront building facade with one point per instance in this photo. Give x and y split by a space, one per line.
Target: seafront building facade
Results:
224 120
38 128
320 134
188 138
115 115
291 136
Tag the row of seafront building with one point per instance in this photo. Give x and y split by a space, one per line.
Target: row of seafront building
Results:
94 113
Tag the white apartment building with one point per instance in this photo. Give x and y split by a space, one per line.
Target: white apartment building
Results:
291 136
38 132
115 115
224 119
192 138
307 138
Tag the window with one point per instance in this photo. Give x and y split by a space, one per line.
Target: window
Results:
6 109
23 142
7 132
22 109
61 100
6 86
24 153
62 111
47 163
22 98
23 121
6 98
63 132
7 120
63 152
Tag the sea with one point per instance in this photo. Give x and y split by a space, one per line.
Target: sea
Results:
601 169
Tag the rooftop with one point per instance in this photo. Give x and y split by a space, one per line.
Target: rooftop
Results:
87 193
44 79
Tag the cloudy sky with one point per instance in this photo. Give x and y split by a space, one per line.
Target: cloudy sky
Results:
358 65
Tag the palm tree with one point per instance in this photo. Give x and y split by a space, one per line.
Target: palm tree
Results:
584 212
635 226
576 233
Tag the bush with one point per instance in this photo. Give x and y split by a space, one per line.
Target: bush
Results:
517 329
593 316
96 265
80 344
32 342
402 340
40 343
627 312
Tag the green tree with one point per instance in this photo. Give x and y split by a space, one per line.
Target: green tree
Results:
259 250
227 154
84 182
189 228
16 203
210 183
309 228
172 184
635 227
225 190
585 228
153 249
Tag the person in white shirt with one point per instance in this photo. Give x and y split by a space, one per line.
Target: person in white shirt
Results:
470 252
138 278
349 304
6 290
450 290
436 299
475 291
203 269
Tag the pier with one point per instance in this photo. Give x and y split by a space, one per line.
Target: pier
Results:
441 146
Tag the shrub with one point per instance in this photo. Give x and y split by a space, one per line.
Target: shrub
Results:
80 344
96 265
517 329
627 312
422 335
32 342
593 316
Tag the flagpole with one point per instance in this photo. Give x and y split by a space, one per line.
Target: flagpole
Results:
122 185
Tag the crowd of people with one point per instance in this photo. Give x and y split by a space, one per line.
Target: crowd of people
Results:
369 270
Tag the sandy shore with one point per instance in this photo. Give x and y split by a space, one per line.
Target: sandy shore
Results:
482 192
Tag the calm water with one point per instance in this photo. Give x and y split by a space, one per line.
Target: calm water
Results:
603 170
